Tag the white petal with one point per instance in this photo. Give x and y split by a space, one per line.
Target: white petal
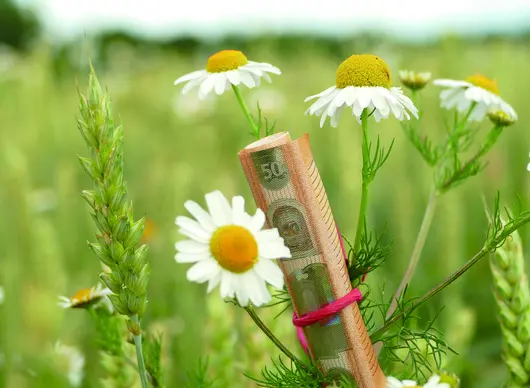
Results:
246 78
267 77
203 271
257 221
227 289
321 94
273 250
233 77
182 257
239 216
336 116
220 84
381 104
193 226
219 208
270 272
256 288
242 294
190 76
190 246
192 85
266 235
214 281
323 102
263 66
449 83
200 215
207 86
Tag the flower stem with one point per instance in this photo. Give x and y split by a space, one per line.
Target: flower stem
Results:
366 181
490 246
246 112
139 354
272 337
416 252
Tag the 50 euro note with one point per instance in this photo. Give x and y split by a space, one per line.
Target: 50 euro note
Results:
286 185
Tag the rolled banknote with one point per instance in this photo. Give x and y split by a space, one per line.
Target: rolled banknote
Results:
286 185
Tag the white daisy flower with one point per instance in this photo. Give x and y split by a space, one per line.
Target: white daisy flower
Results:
362 82
75 361
392 382
226 68
435 382
229 248
85 297
478 90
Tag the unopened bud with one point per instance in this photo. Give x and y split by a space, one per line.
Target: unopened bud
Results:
414 81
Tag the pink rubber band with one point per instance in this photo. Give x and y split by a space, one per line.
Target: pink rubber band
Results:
329 310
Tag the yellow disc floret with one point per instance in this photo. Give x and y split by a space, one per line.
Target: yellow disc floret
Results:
484 82
363 70
82 297
234 248
226 60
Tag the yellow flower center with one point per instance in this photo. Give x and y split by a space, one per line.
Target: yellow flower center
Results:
226 60
363 70
234 248
484 82
81 296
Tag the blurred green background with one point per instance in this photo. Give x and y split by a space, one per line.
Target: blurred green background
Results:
177 148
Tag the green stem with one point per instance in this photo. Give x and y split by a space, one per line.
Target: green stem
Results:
272 337
416 252
488 248
366 182
244 107
139 354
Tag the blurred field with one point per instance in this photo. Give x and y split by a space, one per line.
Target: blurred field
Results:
178 149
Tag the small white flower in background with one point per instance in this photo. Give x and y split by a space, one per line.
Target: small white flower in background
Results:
230 249
1 295
226 68
478 90
75 362
85 297
435 382
413 80
392 382
362 82
528 165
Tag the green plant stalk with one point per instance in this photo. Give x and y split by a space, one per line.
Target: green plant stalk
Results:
246 112
492 138
416 252
488 247
272 337
139 354
365 184
513 301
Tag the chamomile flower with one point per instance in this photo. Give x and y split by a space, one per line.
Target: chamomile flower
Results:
226 68
85 297
436 382
477 93
392 382
229 248
362 82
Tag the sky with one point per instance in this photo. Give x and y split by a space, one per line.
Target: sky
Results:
161 18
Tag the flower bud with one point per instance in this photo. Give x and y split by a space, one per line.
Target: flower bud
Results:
501 118
414 81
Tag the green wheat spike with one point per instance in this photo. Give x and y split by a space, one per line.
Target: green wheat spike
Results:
513 301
